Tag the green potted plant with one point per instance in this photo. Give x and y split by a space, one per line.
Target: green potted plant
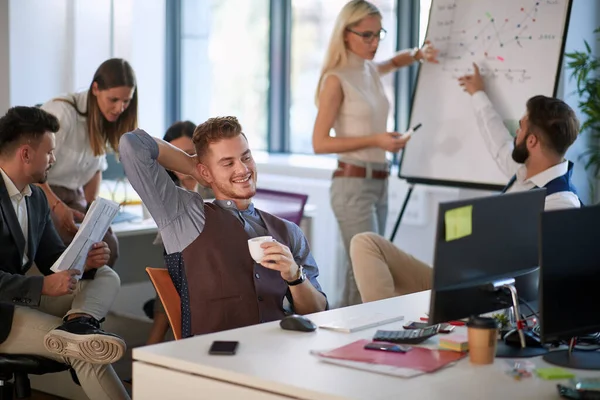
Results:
585 69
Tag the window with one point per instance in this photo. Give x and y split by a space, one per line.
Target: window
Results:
225 63
312 23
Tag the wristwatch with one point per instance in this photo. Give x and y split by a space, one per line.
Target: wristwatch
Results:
413 54
301 277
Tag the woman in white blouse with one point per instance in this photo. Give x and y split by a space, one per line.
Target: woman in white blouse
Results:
352 101
90 122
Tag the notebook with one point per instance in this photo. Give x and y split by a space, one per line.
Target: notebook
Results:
357 323
419 358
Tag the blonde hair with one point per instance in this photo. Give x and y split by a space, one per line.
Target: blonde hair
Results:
353 12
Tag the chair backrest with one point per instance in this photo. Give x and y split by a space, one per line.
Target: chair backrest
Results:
284 205
168 296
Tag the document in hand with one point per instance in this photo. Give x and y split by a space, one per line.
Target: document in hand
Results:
92 230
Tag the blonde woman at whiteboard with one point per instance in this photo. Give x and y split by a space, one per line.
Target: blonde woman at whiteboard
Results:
89 122
351 100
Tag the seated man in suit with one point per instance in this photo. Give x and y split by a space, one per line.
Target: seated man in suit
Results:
535 158
220 285
56 315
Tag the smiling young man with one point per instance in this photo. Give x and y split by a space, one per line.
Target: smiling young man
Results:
56 315
206 243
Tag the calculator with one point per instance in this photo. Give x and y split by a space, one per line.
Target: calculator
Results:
412 336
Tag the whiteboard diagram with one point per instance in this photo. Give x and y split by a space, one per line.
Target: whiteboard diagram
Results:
518 48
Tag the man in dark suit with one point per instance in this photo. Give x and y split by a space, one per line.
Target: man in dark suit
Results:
56 315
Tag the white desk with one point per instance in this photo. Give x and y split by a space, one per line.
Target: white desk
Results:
275 364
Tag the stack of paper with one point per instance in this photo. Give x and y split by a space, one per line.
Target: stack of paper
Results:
360 322
455 342
92 230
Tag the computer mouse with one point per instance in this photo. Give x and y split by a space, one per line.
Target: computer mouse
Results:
297 322
531 339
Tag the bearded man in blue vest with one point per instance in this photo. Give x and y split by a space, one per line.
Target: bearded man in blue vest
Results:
220 285
535 158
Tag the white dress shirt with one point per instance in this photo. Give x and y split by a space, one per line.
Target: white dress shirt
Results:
75 163
500 145
20 205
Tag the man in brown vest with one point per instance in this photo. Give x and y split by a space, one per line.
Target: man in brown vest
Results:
220 285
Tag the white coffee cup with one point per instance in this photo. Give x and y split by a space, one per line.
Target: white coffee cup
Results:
256 251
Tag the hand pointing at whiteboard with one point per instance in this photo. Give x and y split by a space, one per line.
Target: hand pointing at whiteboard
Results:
472 83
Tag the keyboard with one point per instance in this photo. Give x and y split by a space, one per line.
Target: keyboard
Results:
409 336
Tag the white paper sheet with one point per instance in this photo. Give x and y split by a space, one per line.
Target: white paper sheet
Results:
357 323
92 230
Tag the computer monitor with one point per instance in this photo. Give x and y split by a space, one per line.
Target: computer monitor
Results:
502 246
569 281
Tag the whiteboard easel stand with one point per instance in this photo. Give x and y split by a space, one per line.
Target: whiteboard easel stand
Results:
411 186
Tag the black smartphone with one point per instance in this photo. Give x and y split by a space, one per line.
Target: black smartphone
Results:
415 325
446 328
223 348
381 346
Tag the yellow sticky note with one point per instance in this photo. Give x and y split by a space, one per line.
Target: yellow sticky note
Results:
458 222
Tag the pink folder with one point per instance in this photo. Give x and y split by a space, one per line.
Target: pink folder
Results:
418 358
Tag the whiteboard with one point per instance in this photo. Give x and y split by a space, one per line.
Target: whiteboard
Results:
518 46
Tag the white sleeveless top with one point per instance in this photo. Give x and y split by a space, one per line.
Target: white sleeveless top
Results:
364 109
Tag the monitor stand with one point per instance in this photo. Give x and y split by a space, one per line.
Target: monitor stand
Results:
510 346
515 343
571 358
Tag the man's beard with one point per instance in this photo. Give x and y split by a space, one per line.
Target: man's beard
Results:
520 152
41 178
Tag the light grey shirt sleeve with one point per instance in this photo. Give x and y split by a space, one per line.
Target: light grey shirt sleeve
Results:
178 213
495 134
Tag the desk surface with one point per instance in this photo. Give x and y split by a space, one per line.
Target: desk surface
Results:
278 361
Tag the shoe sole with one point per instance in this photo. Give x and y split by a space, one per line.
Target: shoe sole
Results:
95 349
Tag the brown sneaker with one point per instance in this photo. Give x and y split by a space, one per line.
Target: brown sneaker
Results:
82 338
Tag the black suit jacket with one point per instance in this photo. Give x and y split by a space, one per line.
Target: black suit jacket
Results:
44 247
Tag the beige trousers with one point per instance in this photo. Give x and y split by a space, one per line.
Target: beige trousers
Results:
30 325
360 205
382 270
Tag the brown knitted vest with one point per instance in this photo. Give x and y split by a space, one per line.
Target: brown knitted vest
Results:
227 289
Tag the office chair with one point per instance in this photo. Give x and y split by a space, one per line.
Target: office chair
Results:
284 205
19 366
168 296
